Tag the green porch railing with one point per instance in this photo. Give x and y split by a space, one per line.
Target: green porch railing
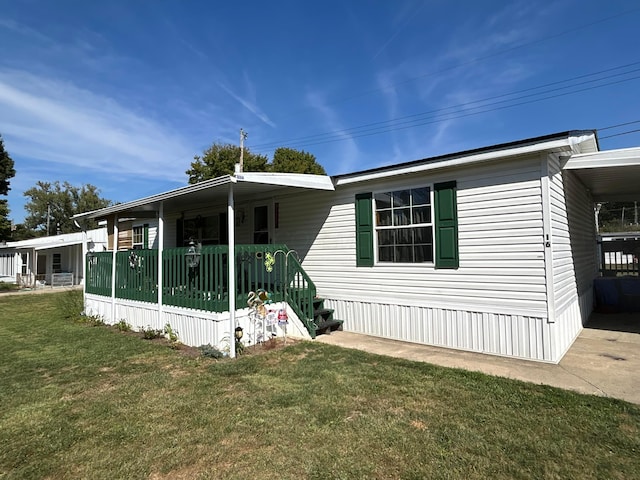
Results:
300 293
201 287
255 272
98 273
137 275
205 286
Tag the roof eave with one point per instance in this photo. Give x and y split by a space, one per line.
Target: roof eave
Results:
496 152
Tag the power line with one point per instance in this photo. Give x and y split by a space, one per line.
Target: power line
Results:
399 120
486 57
622 133
341 135
618 125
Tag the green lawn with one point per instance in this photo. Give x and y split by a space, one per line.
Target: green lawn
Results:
82 401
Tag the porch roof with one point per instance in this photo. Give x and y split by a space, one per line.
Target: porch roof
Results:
53 241
245 184
610 175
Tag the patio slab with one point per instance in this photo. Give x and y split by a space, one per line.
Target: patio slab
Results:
604 360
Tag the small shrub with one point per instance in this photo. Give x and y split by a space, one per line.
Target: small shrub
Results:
70 303
210 351
123 326
171 334
149 333
239 347
92 320
8 287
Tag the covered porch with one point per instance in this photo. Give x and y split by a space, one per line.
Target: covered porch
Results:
613 176
208 278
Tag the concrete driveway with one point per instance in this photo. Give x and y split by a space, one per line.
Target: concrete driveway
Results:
604 360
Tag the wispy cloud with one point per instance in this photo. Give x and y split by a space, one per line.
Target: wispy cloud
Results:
347 150
249 105
23 30
403 19
53 121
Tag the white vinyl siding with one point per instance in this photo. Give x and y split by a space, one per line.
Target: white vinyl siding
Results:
153 232
500 230
574 256
495 302
574 237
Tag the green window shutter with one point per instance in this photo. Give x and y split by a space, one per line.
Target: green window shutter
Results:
446 225
364 230
145 236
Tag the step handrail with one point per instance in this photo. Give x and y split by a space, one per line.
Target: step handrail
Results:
299 289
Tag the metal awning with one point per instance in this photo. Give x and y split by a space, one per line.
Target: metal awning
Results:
610 175
245 185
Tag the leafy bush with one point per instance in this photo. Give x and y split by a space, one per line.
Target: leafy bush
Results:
210 351
93 320
123 326
8 287
149 333
170 333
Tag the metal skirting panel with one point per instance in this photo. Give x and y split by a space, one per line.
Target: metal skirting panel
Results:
498 334
569 324
193 327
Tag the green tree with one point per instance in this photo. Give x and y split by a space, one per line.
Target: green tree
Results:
5 223
58 203
219 160
619 216
6 169
289 160
21 232
7 172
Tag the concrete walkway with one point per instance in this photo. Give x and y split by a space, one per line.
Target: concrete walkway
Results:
604 360
40 290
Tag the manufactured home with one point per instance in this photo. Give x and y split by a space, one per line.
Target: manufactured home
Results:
491 250
49 261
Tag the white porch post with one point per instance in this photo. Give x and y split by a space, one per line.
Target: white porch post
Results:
83 259
34 267
232 271
113 269
160 250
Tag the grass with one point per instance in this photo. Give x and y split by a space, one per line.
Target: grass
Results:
82 401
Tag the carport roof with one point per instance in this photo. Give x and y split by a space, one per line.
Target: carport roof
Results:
610 175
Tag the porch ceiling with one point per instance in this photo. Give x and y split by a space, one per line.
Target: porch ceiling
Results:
246 185
612 175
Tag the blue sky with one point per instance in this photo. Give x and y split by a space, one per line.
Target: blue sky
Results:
123 93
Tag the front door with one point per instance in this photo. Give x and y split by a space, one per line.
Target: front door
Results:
261 225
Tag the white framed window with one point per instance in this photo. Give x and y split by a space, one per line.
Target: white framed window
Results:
24 258
138 237
403 223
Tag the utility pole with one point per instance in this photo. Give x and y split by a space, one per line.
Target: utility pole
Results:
48 216
243 136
